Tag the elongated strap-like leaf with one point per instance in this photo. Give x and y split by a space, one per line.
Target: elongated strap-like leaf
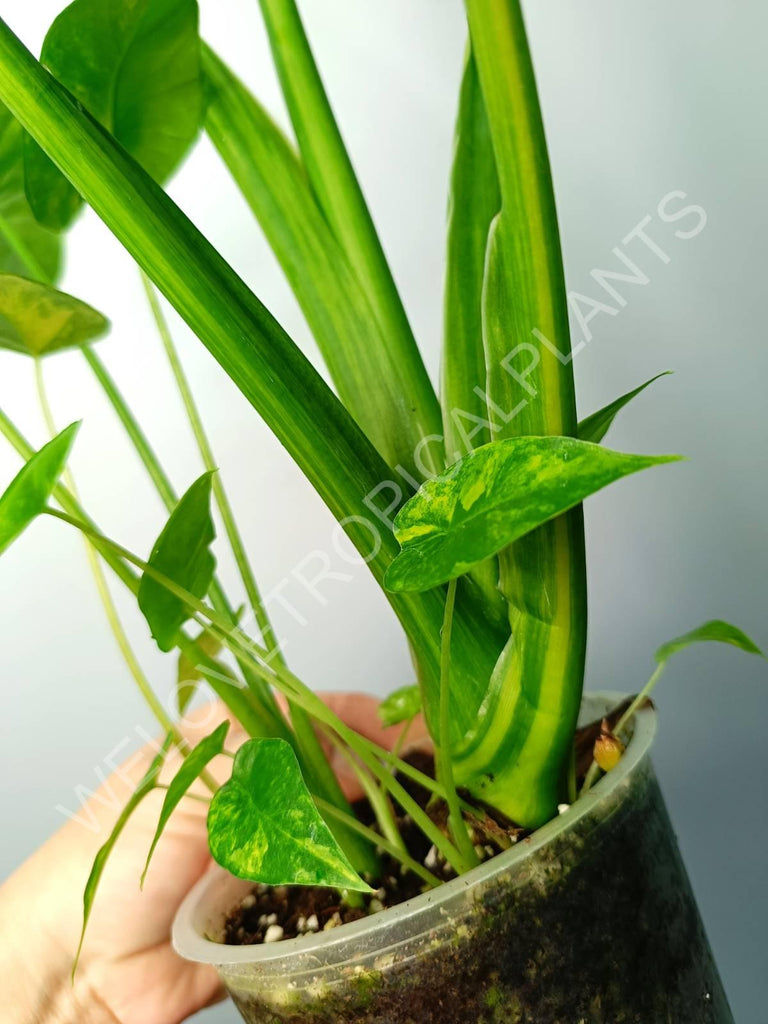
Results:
253 349
338 311
595 427
530 391
182 553
26 247
193 766
147 784
36 319
263 824
336 186
474 201
135 66
27 495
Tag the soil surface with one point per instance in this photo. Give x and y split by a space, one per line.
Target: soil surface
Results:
270 914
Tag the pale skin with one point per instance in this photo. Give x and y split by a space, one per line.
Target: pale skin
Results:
128 972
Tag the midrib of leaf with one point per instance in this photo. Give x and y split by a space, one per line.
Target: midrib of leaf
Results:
252 348
517 758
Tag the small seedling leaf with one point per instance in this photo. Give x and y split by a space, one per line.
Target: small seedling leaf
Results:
194 765
26 247
495 495
715 631
182 553
400 706
263 824
27 495
135 66
144 788
595 427
36 319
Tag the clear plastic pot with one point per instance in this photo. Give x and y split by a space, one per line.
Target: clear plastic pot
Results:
589 921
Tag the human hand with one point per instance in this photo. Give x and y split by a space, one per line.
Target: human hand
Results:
128 972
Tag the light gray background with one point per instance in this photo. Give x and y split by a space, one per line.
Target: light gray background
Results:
640 100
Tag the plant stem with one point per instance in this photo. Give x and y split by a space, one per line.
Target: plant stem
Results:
377 840
222 500
108 604
143 448
314 763
290 685
594 769
443 746
376 797
105 596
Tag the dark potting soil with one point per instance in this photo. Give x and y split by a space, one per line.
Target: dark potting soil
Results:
285 912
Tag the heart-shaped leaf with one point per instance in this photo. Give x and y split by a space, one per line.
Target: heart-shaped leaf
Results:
27 495
595 427
194 765
263 824
495 495
135 66
715 631
400 706
182 553
26 247
36 319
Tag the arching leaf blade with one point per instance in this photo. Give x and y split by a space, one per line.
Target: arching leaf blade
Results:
493 497
182 554
714 631
147 784
192 768
36 319
263 824
27 495
134 65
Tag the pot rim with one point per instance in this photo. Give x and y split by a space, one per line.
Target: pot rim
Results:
192 945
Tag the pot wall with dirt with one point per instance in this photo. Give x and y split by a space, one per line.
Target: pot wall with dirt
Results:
591 920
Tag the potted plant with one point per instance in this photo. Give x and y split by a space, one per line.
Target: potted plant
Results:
525 869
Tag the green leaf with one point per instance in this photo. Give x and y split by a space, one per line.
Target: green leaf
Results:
400 706
519 758
264 826
715 631
36 319
595 427
356 350
135 66
26 247
182 553
473 204
27 495
269 369
494 496
144 788
188 675
195 763
334 183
